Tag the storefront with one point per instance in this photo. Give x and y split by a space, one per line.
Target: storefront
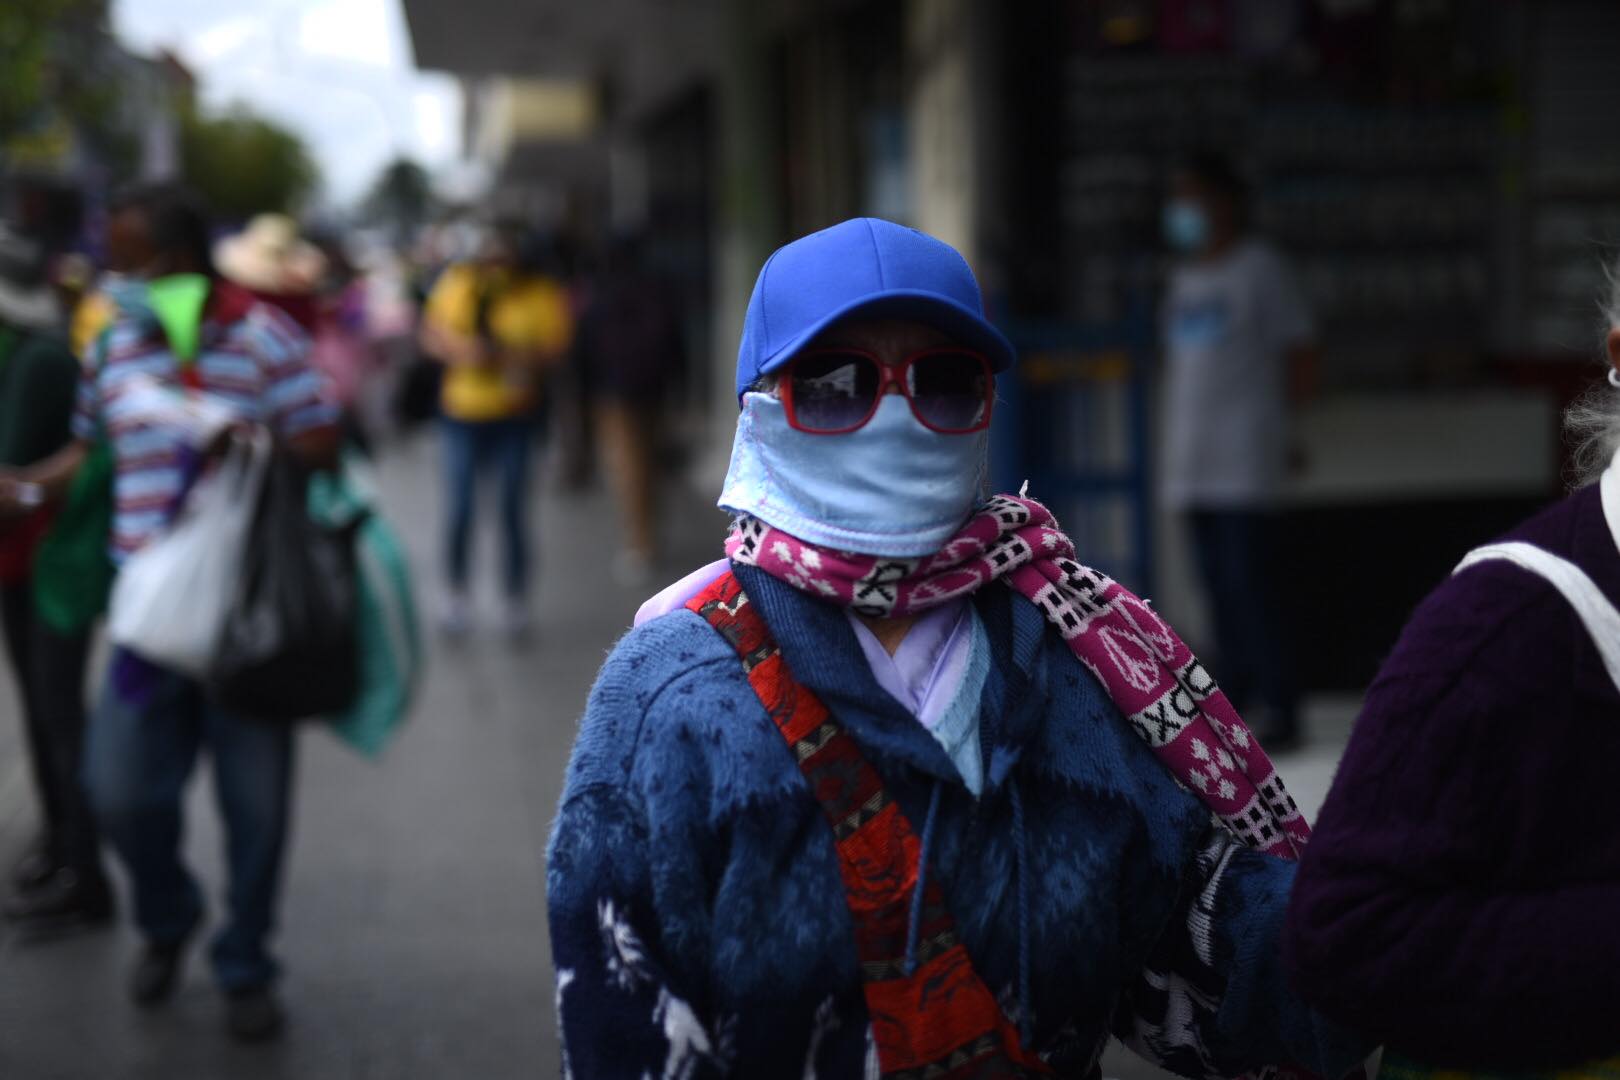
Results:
1413 162
1439 173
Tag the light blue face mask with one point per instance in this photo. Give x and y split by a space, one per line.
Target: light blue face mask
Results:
891 488
1186 226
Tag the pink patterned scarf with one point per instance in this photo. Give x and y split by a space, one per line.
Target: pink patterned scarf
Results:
1153 678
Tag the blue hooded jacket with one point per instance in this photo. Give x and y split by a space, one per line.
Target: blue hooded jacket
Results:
698 920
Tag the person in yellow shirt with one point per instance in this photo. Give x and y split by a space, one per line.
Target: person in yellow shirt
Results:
499 324
93 314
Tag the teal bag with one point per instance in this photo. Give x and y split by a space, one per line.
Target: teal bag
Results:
390 642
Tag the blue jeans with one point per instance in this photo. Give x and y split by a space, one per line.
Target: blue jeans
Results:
1238 553
470 449
137 761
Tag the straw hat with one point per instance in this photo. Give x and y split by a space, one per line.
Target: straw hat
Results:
269 256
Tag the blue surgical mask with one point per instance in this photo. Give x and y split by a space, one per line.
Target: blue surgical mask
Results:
891 488
1186 226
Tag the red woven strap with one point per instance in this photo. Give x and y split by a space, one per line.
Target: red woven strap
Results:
941 1020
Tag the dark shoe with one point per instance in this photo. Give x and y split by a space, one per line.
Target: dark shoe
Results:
64 902
33 869
254 1015
156 974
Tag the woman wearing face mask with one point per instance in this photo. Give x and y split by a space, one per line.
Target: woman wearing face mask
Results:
893 789
1239 354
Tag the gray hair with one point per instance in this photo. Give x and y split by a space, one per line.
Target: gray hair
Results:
1592 424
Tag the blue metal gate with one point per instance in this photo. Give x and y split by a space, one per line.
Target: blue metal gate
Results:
1074 418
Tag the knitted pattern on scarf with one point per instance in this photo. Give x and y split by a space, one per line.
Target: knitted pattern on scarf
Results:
1154 679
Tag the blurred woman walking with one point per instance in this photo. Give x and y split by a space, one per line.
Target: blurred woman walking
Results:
498 324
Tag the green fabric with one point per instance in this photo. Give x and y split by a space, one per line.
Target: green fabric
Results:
73 573
178 301
38 379
390 645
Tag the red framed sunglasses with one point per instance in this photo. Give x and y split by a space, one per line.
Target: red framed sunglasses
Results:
834 391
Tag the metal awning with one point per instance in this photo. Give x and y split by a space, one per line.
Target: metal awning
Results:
645 47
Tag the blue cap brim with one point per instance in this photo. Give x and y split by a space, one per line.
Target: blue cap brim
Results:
966 326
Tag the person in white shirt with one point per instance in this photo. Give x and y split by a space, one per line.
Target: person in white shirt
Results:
1239 351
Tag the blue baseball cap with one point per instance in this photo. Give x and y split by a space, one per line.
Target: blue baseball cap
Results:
868 267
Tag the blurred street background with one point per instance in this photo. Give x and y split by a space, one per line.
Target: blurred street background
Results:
1443 177
414 930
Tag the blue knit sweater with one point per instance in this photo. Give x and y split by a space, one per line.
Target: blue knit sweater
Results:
698 921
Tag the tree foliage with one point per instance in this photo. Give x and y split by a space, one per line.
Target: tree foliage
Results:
34 35
401 198
243 164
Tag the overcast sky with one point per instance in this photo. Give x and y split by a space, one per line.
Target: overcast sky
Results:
336 71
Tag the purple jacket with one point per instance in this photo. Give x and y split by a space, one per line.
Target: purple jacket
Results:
1461 897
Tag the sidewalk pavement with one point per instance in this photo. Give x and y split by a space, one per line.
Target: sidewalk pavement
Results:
413 926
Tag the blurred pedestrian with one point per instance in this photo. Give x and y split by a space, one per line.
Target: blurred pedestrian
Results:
389 316
573 427
59 884
271 260
900 787
340 348
499 323
196 331
1239 352
1458 901
632 354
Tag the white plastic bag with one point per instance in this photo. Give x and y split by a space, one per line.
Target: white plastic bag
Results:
171 597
